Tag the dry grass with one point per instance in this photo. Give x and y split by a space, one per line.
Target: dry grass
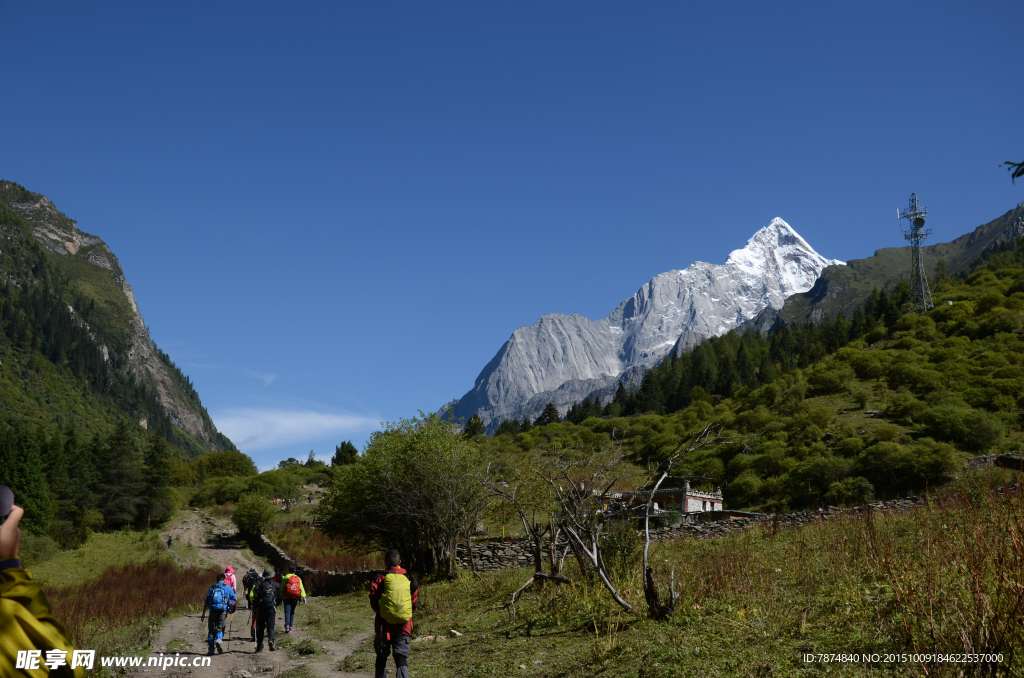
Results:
945 578
313 549
110 613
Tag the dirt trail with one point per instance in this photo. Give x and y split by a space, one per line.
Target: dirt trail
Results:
217 542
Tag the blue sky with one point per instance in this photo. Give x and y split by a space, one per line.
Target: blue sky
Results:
334 214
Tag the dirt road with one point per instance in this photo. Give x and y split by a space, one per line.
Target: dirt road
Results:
216 541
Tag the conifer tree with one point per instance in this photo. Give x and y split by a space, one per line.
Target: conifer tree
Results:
155 505
21 469
548 416
474 427
345 453
121 482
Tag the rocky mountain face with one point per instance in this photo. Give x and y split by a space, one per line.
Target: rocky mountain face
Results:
563 359
124 339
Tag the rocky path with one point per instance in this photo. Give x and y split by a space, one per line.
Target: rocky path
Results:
216 542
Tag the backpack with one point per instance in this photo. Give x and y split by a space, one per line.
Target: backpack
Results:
396 599
249 580
293 587
217 597
265 594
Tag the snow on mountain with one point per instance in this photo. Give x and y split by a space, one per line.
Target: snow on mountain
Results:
563 359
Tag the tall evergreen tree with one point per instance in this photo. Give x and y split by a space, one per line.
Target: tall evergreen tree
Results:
474 427
121 484
550 415
155 505
345 453
21 469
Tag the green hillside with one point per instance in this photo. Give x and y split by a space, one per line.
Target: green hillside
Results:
879 405
94 415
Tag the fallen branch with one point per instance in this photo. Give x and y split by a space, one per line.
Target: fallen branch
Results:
510 606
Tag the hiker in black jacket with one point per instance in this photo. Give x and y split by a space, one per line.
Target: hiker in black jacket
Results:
266 596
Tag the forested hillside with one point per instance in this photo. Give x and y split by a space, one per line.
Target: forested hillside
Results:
93 415
880 404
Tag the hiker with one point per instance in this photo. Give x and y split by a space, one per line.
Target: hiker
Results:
292 590
168 542
265 597
310 497
229 578
26 623
393 596
248 581
219 599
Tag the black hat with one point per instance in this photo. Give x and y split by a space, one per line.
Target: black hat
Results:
6 501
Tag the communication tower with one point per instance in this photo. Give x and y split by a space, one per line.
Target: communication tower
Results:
920 295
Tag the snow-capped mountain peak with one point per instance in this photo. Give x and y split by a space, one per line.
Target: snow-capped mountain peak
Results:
562 359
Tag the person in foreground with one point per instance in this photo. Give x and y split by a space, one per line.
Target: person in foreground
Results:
265 596
293 591
26 623
219 598
393 596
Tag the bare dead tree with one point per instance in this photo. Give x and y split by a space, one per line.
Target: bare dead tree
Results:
581 491
525 500
656 607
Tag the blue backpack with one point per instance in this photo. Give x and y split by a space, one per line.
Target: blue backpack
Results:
217 597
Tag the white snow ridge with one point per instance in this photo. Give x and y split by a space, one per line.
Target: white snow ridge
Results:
563 359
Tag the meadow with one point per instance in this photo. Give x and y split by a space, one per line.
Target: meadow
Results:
945 579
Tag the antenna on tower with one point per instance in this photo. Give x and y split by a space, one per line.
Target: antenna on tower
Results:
920 294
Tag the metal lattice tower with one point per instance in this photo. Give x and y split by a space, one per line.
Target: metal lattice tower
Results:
920 294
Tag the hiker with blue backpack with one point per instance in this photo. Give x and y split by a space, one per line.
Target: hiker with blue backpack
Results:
393 596
220 600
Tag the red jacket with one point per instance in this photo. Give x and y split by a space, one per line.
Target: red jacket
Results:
380 626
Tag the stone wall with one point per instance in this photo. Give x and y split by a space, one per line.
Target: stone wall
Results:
498 555
317 582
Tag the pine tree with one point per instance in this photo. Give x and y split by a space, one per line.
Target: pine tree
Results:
345 453
121 485
156 483
474 427
21 469
548 416
507 426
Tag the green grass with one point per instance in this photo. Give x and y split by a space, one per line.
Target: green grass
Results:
102 550
177 645
336 618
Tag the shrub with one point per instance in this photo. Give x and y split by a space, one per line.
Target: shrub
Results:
744 490
828 380
850 492
253 513
974 430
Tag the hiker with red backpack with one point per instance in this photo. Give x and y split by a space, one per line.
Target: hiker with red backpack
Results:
292 591
220 600
393 596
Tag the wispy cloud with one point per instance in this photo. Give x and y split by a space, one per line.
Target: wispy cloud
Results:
265 378
265 428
